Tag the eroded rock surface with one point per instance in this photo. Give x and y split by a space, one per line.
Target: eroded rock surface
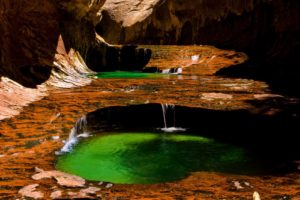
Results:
236 24
31 192
14 96
31 35
28 44
267 30
55 43
34 38
62 178
30 139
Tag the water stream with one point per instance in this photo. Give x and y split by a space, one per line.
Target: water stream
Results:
78 131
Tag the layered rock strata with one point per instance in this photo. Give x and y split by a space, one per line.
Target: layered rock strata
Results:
54 43
265 29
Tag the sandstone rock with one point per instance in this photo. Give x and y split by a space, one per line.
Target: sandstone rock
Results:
90 190
109 185
62 178
238 185
118 17
14 96
213 96
56 40
266 29
56 194
87 193
32 50
52 43
28 43
30 191
256 196
266 96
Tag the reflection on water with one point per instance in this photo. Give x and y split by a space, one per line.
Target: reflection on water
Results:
127 74
143 158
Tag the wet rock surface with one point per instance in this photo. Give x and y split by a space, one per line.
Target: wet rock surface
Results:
31 192
52 45
55 41
256 27
266 30
14 97
62 179
31 138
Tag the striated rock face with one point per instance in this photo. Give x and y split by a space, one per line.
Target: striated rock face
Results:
54 43
40 40
265 29
14 96
33 48
30 32
77 22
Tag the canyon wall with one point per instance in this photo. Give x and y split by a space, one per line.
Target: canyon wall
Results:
37 47
54 43
267 30
28 37
35 37
39 39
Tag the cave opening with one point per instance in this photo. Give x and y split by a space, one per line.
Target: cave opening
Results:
186 34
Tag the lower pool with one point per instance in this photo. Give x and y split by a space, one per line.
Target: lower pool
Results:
146 158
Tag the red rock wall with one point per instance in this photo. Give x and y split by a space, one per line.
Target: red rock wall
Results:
30 32
263 28
28 37
33 38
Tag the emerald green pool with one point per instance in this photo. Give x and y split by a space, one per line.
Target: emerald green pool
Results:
145 158
127 74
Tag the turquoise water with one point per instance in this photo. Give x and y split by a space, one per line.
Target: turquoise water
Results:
144 158
127 74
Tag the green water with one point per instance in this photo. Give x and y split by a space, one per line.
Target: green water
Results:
127 74
144 158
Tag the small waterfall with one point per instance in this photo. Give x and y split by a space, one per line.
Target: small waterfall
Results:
165 108
195 59
168 111
175 70
179 70
77 131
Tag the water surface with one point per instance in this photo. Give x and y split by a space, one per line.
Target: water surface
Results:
127 75
144 158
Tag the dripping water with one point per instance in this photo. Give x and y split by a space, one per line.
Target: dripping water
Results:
168 112
78 131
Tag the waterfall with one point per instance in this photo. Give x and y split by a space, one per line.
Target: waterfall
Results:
195 59
179 70
76 132
165 108
175 70
168 112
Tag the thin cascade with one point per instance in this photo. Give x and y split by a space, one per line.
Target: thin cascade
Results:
164 107
179 70
76 132
167 111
